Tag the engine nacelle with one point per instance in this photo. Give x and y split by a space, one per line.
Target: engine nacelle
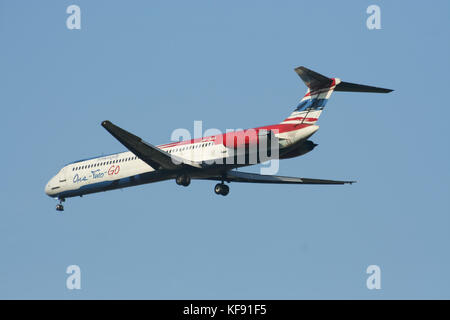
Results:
302 149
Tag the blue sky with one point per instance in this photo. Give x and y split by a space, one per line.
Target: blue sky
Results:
154 66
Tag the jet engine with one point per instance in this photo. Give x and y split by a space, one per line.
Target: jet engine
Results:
300 150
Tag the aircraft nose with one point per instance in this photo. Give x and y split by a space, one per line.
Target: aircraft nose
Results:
47 189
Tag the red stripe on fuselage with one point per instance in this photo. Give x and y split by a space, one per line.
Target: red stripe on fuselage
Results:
218 139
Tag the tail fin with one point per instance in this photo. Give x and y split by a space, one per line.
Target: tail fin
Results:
319 91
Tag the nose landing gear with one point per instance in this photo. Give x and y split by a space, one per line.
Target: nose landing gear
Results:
59 206
222 189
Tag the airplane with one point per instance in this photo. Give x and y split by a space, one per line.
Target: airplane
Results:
215 158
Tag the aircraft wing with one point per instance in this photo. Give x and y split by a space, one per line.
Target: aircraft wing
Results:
237 176
153 156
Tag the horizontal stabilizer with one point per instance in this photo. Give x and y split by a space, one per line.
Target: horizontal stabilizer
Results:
312 79
353 87
315 81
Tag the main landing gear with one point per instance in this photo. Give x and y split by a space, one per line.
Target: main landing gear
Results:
222 188
183 180
59 206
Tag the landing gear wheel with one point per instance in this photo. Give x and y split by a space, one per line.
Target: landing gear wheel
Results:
225 190
221 189
59 206
218 188
183 180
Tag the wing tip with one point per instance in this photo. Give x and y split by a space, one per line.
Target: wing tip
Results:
106 123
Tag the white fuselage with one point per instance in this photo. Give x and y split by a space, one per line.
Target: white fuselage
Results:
126 169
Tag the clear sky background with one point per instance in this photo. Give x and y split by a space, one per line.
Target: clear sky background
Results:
154 66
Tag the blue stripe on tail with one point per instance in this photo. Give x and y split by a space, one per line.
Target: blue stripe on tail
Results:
311 104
